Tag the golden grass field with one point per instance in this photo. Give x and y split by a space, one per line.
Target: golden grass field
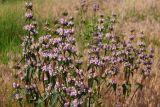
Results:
141 15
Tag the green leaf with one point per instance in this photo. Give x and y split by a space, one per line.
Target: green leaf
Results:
90 82
40 100
126 89
54 98
139 86
97 79
114 86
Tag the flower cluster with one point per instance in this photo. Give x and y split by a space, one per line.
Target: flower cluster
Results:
146 60
53 72
96 48
108 53
69 70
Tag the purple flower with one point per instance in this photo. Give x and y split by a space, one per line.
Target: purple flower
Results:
76 102
67 32
112 81
71 91
142 44
60 31
131 37
108 36
15 85
28 5
29 27
71 40
48 68
70 23
18 96
100 20
29 15
66 104
100 28
63 21
56 41
127 64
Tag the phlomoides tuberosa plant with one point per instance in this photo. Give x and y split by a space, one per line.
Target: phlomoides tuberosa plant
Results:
52 73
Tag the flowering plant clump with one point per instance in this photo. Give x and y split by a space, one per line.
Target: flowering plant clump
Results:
52 71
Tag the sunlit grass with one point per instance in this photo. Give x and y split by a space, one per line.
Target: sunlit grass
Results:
11 22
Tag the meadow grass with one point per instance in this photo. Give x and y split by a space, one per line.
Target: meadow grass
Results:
11 22
128 11
138 14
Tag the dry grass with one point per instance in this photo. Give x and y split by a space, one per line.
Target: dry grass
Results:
6 79
149 96
141 15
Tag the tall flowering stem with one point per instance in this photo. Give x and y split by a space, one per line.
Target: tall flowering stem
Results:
61 65
26 74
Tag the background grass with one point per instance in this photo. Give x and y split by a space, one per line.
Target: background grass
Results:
11 22
141 15
138 14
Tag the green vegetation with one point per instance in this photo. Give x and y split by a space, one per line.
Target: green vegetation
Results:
11 22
